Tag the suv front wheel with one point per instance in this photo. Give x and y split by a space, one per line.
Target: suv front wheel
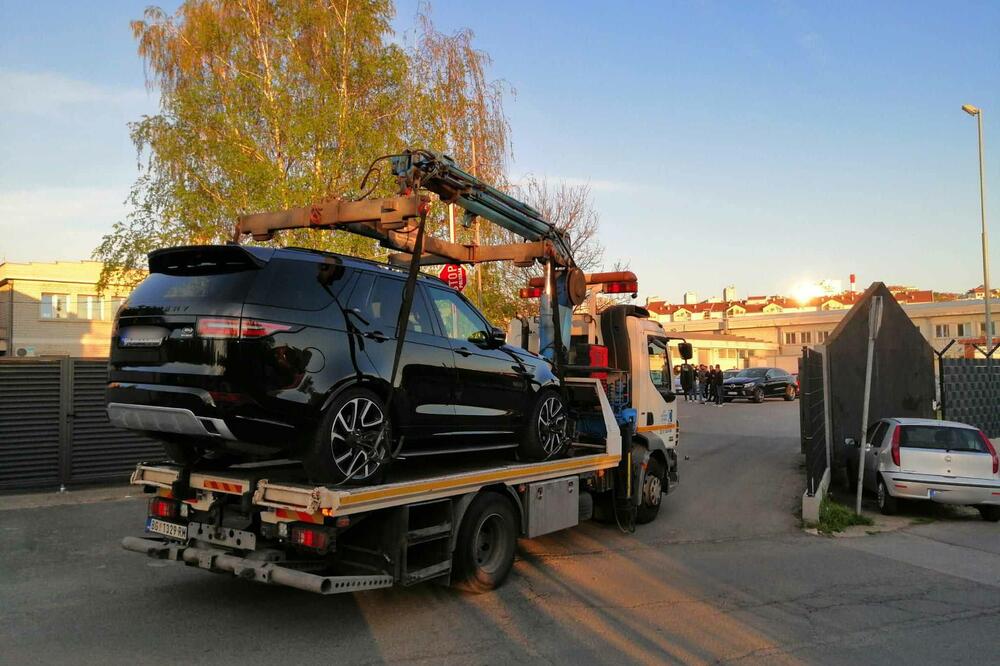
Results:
547 432
353 441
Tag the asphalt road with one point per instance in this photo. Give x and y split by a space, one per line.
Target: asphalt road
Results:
725 574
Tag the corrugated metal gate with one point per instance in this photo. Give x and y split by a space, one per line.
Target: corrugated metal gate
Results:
966 394
812 416
54 430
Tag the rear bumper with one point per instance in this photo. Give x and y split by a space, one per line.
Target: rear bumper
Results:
261 571
941 489
176 420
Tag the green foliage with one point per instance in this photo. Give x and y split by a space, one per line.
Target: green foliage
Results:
835 517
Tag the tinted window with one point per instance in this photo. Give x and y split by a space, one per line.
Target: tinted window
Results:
459 319
754 373
378 299
227 287
942 438
876 433
287 283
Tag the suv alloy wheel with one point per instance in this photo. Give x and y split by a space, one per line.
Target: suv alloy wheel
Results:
353 442
547 433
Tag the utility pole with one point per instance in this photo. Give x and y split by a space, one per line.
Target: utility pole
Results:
978 114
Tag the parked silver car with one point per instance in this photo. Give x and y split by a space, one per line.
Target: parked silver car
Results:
940 461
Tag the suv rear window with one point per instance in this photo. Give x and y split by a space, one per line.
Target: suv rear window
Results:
942 438
220 287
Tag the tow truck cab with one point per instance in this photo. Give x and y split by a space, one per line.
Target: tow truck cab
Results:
638 347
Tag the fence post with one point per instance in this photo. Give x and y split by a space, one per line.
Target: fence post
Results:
65 421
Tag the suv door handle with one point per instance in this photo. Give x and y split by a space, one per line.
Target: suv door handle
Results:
463 351
377 336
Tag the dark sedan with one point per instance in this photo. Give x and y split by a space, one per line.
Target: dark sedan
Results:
756 384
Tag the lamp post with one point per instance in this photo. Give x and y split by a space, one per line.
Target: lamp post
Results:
978 114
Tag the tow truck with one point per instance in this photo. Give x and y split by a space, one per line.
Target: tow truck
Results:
451 522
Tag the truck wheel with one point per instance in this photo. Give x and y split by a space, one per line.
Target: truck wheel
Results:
989 512
758 395
350 444
652 492
887 504
789 393
484 551
547 432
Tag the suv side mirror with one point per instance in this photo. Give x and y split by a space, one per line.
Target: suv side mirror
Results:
687 352
494 337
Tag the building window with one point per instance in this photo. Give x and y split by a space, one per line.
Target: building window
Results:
89 306
116 304
965 330
55 306
823 336
942 330
790 338
807 337
982 327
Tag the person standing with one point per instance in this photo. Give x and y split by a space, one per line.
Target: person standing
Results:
703 383
719 378
687 381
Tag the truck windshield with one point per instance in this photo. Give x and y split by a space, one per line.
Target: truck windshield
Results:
659 363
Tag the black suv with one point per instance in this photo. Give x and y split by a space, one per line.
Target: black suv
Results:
759 383
238 353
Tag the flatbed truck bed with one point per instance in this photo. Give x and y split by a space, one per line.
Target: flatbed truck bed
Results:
451 521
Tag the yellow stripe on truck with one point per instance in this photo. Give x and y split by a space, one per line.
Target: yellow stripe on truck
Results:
661 426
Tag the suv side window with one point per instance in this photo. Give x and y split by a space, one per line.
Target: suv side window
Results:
289 283
378 299
458 319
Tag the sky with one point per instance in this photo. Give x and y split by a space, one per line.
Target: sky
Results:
758 144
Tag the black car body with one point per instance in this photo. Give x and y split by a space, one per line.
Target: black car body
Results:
245 350
756 384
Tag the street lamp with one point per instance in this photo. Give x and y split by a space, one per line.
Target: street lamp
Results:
978 114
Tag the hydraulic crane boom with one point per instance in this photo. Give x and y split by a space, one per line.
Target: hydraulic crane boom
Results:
390 219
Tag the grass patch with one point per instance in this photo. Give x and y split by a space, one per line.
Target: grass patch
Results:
835 517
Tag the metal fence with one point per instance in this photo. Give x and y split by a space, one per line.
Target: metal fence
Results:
968 395
54 430
812 416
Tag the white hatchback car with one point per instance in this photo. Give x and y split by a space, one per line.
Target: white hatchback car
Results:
924 459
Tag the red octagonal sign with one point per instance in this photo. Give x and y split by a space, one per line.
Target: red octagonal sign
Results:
455 276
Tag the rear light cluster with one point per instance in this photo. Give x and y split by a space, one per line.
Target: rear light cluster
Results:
621 287
163 508
237 327
531 292
314 538
896 434
992 450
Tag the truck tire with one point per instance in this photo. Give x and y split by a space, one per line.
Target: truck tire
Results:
652 492
758 395
546 434
484 550
344 447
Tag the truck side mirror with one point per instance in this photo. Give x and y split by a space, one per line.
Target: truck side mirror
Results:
687 352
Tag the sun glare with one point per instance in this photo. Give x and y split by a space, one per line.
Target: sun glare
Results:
804 292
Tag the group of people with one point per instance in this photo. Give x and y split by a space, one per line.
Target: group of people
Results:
702 383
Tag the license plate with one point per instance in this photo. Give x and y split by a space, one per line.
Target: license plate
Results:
141 336
172 530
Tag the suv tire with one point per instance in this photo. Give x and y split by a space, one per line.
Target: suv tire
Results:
790 393
546 434
758 395
344 447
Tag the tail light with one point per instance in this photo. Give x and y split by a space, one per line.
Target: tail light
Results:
993 451
234 327
531 292
310 537
621 287
163 508
895 445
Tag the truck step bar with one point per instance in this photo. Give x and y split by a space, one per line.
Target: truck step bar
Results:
259 571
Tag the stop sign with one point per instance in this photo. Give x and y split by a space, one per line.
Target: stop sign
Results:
455 276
